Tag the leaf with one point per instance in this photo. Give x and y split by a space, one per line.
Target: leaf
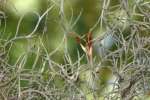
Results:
83 48
89 45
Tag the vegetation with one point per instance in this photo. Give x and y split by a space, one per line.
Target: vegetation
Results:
62 52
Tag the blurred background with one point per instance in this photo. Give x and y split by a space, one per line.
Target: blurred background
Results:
80 16
20 17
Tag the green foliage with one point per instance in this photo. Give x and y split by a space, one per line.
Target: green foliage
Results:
39 60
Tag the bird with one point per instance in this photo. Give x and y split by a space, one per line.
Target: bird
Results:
104 45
